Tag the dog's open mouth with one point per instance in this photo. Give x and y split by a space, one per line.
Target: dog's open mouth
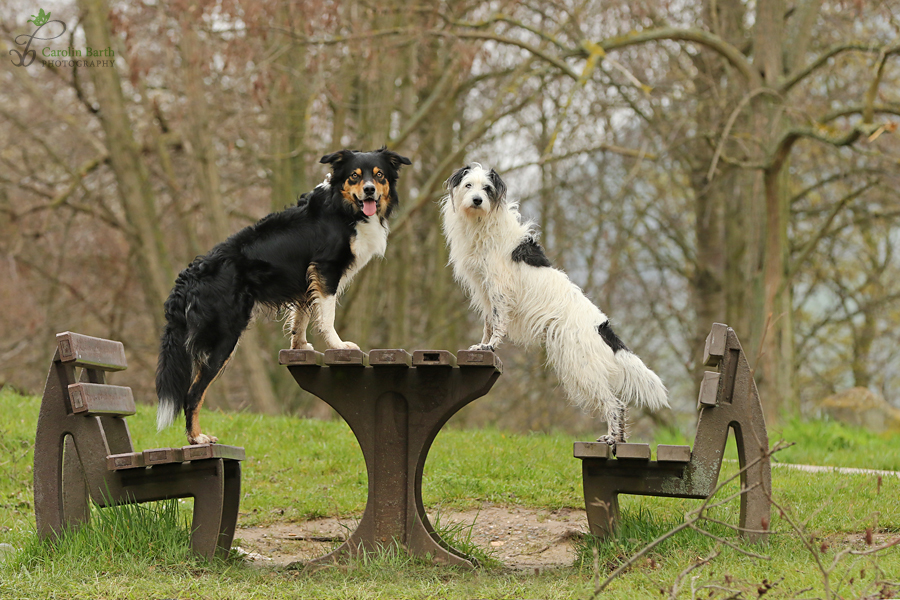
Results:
368 205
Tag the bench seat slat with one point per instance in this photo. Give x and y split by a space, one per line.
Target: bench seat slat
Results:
203 451
591 450
479 358
633 451
433 358
165 456
309 358
101 400
392 357
668 453
91 352
339 357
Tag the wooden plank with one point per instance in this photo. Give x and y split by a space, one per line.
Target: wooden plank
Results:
433 358
345 358
101 400
204 451
390 358
162 456
591 450
479 358
633 451
120 462
709 390
714 350
668 453
165 456
301 357
91 352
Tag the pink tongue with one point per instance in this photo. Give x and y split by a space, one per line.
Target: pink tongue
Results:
369 207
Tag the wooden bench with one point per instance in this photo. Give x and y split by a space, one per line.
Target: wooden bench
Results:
728 400
83 451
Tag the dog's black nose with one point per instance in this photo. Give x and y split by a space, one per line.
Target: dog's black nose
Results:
369 189
476 200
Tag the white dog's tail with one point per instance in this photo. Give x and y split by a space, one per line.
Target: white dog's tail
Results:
640 386
636 385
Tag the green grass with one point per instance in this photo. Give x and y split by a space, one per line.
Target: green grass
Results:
300 469
147 535
834 444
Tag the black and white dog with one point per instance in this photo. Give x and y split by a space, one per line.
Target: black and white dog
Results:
300 259
497 259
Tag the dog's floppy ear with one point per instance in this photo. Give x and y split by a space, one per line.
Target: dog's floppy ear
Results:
499 185
336 157
454 180
397 161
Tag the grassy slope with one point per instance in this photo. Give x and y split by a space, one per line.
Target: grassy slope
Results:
300 469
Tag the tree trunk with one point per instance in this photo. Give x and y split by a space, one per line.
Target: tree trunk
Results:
774 366
742 213
718 189
143 231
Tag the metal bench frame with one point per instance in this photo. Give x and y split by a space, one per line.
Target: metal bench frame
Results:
83 451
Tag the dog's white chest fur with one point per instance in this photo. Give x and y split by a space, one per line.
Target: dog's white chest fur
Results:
370 241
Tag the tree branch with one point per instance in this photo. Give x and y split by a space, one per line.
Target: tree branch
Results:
795 78
818 133
439 92
80 174
343 39
731 119
857 109
501 18
698 36
502 39
821 233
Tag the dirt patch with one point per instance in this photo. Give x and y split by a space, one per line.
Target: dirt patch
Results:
520 538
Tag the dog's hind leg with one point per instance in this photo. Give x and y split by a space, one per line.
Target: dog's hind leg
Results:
615 423
205 374
297 323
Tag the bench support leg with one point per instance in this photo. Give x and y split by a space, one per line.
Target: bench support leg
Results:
602 508
203 480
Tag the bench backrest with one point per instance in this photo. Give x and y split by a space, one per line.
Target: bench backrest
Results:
92 410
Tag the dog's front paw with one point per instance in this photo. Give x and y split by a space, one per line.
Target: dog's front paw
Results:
346 346
487 347
203 439
305 346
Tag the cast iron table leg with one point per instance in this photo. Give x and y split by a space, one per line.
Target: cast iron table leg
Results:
395 406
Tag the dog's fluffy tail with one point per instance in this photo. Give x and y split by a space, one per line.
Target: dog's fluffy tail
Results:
599 372
636 384
639 385
173 371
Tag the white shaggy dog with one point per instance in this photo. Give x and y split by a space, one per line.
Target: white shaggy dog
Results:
511 284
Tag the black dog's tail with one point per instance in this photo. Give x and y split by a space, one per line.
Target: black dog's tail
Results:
173 372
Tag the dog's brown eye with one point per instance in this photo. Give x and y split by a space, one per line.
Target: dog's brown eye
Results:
379 176
468 185
354 177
